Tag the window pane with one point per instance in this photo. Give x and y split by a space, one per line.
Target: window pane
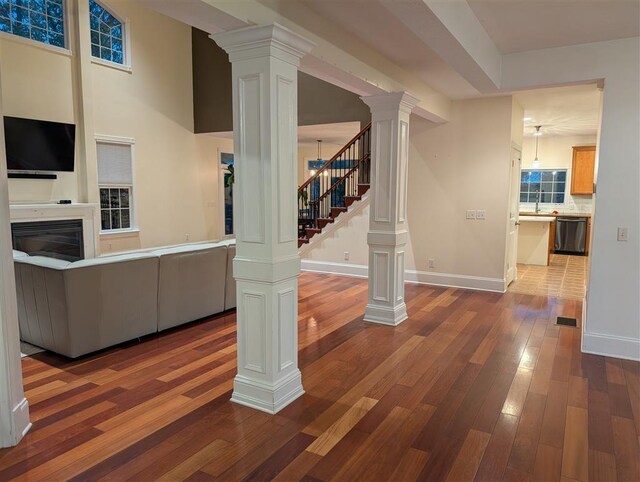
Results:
115 219
534 176
545 197
115 198
547 186
561 176
558 198
124 198
108 30
546 176
125 218
559 187
104 198
106 219
524 187
534 187
524 197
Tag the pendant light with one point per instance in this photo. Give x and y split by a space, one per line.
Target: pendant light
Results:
319 141
537 134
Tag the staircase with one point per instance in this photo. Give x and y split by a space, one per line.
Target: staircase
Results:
342 181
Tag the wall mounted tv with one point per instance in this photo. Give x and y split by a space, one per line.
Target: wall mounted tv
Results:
36 145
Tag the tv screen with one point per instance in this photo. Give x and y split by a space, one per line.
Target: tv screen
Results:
35 145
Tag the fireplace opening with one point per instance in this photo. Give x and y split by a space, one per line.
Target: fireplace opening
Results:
55 239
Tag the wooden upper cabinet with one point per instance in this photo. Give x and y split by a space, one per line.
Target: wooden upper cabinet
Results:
582 172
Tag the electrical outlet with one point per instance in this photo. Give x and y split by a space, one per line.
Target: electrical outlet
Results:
186 237
623 234
431 263
346 255
471 213
481 214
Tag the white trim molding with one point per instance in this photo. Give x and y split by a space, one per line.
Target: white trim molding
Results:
446 280
613 346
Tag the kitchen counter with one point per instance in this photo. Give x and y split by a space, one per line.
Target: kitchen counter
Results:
534 236
536 219
561 215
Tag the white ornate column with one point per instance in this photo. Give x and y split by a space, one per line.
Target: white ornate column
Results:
387 220
265 62
14 409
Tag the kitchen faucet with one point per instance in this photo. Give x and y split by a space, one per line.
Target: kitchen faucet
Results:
537 202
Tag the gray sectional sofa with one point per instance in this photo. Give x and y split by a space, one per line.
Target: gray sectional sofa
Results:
75 308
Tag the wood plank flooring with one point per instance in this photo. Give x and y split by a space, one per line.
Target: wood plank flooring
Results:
473 386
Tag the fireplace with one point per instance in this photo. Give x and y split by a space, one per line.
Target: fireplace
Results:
62 239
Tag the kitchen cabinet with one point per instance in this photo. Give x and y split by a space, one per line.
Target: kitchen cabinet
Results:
582 171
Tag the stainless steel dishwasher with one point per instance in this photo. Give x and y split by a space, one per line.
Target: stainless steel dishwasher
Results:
571 235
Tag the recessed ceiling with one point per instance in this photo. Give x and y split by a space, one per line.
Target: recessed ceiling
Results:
561 111
520 25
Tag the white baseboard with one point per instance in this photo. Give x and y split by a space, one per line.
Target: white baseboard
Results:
613 346
417 277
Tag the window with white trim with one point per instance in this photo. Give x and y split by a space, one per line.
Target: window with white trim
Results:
107 34
115 181
543 185
39 20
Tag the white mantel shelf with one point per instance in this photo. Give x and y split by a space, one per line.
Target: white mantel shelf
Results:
87 212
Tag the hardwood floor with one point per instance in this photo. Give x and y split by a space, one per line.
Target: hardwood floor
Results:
473 386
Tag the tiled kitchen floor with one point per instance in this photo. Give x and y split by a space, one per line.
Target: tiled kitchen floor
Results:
565 277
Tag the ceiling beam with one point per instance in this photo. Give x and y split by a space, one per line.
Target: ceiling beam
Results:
452 30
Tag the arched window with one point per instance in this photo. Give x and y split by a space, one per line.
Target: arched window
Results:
39 20
107 34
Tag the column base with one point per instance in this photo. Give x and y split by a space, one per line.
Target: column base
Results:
386 315
21 425
264 396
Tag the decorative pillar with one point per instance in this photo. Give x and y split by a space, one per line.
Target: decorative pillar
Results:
14 409
265 62
388 210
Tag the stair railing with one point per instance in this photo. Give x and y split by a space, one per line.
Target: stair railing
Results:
338 178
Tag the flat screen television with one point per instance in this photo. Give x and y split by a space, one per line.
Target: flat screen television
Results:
36 145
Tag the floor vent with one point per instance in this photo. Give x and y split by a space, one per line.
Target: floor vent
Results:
563 321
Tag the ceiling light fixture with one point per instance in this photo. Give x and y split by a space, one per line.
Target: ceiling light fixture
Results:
536 162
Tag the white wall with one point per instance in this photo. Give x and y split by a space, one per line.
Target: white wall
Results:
176 192
461 165
612 315
556 152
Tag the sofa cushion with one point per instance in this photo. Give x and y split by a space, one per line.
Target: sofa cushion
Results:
230 292
191 283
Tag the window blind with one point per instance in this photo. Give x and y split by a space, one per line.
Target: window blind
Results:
114 164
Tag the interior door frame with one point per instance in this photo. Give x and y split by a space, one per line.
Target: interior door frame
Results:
511 255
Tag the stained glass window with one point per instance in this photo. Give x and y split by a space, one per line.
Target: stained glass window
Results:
40 20
107 34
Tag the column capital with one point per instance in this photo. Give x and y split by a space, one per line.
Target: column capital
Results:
391 101
264 40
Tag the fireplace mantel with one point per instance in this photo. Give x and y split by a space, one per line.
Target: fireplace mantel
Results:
52 212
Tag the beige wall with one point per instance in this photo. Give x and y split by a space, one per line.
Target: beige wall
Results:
176 191
38 84
555 152
176 171
463 164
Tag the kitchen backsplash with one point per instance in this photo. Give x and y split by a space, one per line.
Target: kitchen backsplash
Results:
573 204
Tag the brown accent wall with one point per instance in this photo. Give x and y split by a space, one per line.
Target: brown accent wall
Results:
318 101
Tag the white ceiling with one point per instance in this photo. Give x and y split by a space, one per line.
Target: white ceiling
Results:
371 23
561 111
520 25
